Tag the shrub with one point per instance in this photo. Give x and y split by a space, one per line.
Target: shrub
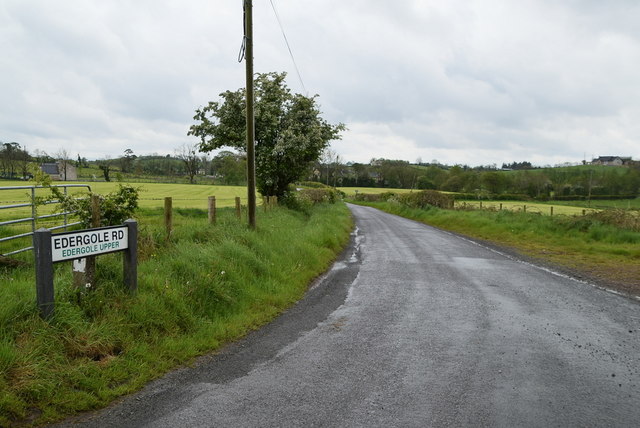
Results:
314 184
115 207
426 198
318 195
303 200
375 197
619 218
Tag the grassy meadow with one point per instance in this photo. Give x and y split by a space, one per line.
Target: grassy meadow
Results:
151 194
204 286
184 196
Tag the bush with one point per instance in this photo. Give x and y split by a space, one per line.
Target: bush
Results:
376 197
303 200
619 218
115 207
426 198
317 196
315 185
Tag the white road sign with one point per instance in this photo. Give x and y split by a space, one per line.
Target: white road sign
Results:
75 245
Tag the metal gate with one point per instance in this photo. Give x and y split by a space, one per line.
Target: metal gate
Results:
33 219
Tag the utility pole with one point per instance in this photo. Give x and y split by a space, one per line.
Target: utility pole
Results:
251 157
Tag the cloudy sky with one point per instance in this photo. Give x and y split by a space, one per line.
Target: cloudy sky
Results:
463 82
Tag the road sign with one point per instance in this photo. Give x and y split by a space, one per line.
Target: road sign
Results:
49 248
76 245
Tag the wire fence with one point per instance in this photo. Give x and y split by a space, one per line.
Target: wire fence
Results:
27 208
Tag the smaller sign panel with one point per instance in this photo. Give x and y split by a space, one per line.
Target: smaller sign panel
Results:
84 243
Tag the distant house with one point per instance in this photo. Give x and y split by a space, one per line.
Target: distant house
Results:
612 160
57 171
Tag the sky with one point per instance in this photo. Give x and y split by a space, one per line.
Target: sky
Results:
459 81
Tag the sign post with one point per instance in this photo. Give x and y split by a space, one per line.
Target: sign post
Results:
67 246
44 272
130 257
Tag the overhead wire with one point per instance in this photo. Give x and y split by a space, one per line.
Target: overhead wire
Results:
295 65
243 47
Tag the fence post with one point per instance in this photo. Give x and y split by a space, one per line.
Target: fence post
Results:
238 207
212 209
95 211
88 276
44 272
480 204
500 206
168 215
524 208
264 203
34 211
66 220
130 257
551 211
584 212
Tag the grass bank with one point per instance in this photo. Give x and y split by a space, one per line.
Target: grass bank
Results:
205 286
590 245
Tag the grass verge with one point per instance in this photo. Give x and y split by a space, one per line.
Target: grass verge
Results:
586 245
205 286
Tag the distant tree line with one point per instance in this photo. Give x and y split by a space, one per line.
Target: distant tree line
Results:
515 179
14 161
226 167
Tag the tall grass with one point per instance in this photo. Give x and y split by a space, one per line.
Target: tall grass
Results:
204 286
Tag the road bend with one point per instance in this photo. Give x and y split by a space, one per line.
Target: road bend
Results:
416 327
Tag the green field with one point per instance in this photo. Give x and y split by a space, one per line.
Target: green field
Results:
151 194
185 196
624 204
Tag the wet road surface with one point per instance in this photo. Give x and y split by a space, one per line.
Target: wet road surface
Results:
416 327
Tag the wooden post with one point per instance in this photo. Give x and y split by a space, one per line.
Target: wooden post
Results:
524 208
79 272
95 211
44 272
264 203
84 270
500 206
168 215
480 204
250 119
130 257
551 211
238 207
584 212
212 210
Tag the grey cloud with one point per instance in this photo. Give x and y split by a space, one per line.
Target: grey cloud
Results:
481 79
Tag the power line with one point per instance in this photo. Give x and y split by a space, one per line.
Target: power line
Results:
243 47
273 6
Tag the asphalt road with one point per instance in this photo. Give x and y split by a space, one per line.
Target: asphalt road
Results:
416 327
